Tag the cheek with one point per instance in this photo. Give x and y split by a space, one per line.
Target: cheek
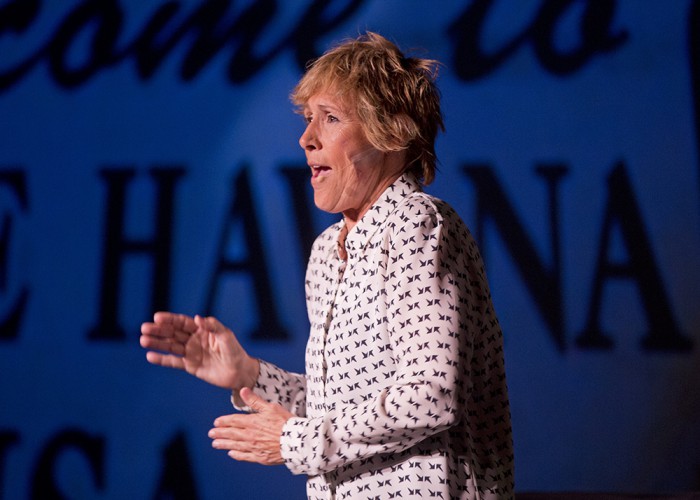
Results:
370 169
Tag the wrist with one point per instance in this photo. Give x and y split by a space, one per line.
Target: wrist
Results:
246 374
249 372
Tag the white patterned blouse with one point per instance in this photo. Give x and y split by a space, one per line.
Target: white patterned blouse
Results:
404 394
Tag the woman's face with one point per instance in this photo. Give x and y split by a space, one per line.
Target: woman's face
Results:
347 173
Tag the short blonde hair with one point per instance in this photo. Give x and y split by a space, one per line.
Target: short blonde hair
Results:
395 96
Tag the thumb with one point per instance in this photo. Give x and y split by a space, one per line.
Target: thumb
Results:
252 400
214 324
210 324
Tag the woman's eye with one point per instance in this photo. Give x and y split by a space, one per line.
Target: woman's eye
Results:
331 119
307 119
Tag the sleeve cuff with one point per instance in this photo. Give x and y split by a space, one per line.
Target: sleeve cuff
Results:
300 446
278 386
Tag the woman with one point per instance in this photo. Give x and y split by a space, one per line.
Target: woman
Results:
404 392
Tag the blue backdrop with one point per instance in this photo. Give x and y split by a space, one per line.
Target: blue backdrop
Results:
149 160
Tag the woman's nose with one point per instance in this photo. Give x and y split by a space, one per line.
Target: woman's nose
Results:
308 139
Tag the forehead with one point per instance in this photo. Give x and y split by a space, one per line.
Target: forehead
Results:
331 98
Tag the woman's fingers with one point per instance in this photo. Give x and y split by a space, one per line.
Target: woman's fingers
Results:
175 321
162 344
166 360
167 328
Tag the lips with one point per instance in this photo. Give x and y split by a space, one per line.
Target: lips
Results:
317 170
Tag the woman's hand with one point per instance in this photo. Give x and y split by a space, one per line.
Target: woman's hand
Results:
202 347
253 437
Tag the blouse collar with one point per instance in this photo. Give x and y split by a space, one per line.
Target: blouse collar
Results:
374 218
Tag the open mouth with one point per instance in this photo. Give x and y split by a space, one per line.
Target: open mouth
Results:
317 170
